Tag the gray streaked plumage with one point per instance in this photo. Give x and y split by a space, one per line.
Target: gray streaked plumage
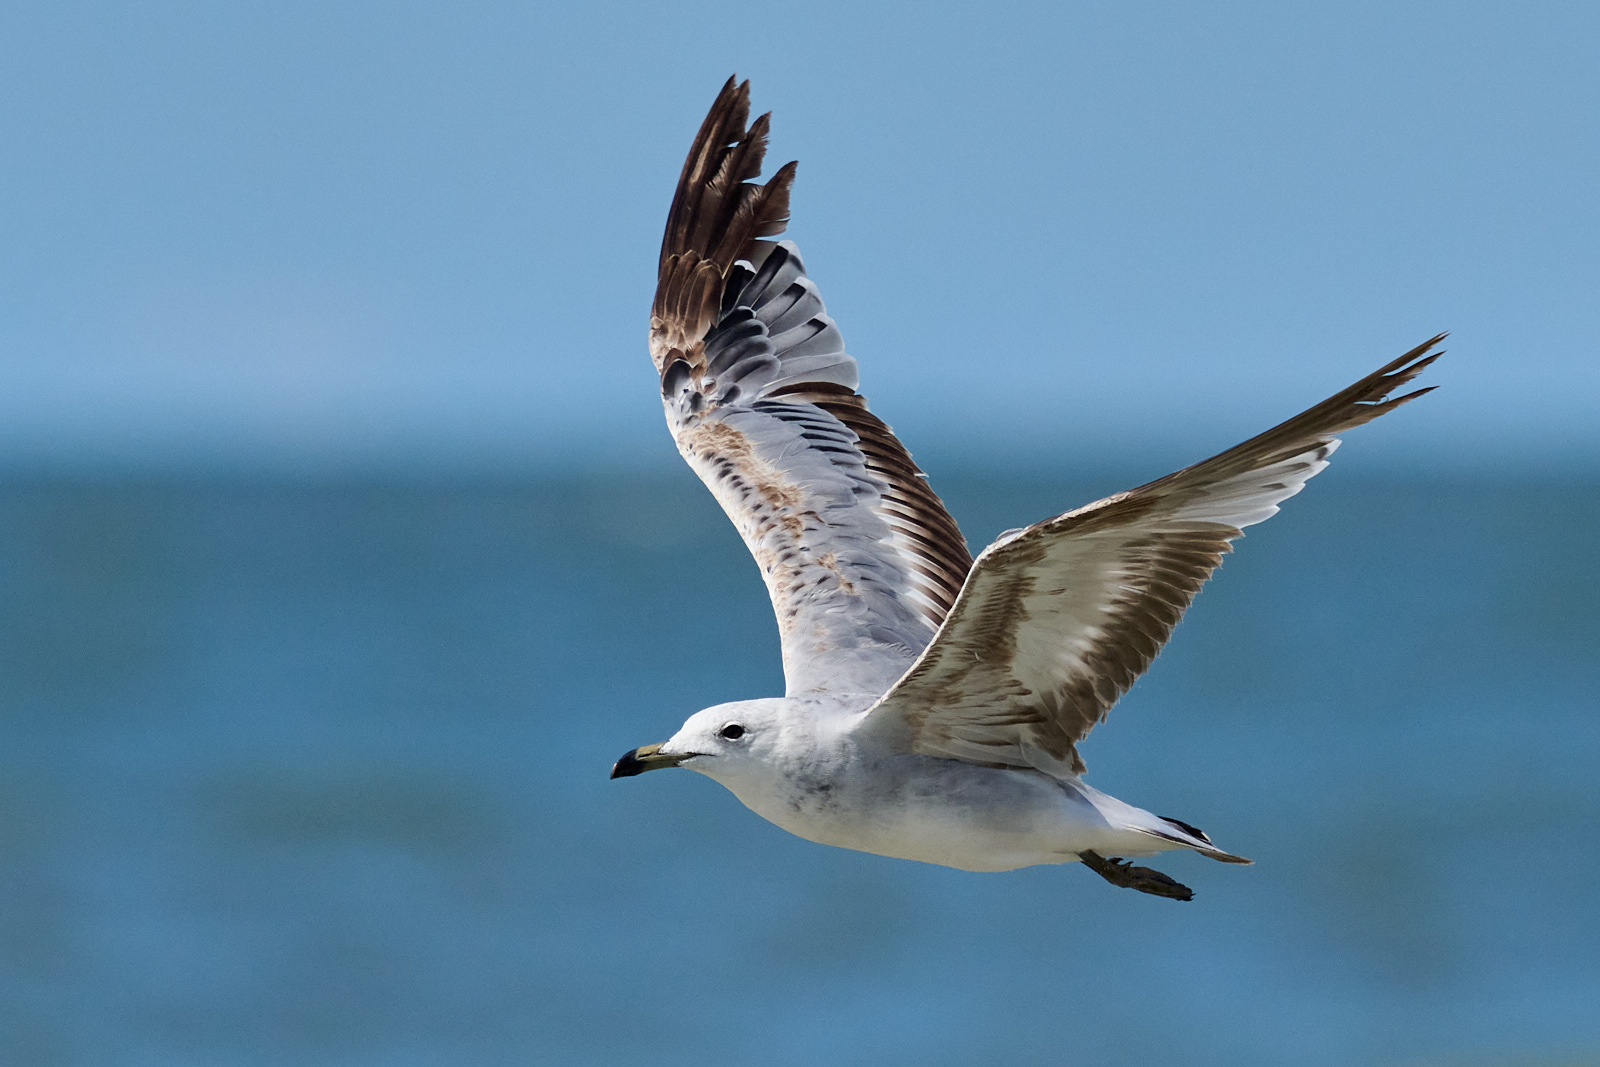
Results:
934 703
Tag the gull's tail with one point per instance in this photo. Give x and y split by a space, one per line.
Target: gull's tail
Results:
1121 815
1180 832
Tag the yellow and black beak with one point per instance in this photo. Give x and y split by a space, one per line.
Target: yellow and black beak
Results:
645 758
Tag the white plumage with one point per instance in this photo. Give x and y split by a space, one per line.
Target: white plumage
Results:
934 702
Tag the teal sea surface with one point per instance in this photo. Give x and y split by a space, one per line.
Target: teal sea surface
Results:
315 772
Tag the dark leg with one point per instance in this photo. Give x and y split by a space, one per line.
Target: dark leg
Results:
1125 874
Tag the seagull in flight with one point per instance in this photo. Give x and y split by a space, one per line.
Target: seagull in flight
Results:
934 703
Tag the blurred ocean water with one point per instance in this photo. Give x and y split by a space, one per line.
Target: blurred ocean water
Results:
315 773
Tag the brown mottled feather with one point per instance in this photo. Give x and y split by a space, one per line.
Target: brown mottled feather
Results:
1056 622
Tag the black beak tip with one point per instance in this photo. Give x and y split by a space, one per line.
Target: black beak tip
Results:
628 766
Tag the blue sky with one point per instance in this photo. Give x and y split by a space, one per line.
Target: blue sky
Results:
423 236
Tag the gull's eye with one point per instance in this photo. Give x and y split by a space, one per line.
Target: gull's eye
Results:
731 732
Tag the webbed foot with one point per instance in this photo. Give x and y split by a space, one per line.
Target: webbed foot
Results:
1144 879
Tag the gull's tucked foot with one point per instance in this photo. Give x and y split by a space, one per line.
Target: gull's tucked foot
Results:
1144 879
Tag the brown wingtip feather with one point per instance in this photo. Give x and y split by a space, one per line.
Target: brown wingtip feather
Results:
717 210
717 213
1350 407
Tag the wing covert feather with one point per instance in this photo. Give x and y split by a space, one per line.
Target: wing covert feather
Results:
1057 620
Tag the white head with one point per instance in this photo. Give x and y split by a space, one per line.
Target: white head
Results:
736 744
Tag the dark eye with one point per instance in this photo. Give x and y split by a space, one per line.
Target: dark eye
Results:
731 732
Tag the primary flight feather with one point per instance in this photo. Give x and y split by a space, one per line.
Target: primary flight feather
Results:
934 704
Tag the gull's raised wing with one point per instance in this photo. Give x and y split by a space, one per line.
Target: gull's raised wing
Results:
859 556
1056 621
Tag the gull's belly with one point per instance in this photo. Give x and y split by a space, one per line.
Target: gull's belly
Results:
942 811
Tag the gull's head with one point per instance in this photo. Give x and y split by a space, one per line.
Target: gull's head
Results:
727 741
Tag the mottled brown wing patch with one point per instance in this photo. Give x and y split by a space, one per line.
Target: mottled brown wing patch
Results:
1056 622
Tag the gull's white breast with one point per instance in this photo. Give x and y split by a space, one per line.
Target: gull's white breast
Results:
944 811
